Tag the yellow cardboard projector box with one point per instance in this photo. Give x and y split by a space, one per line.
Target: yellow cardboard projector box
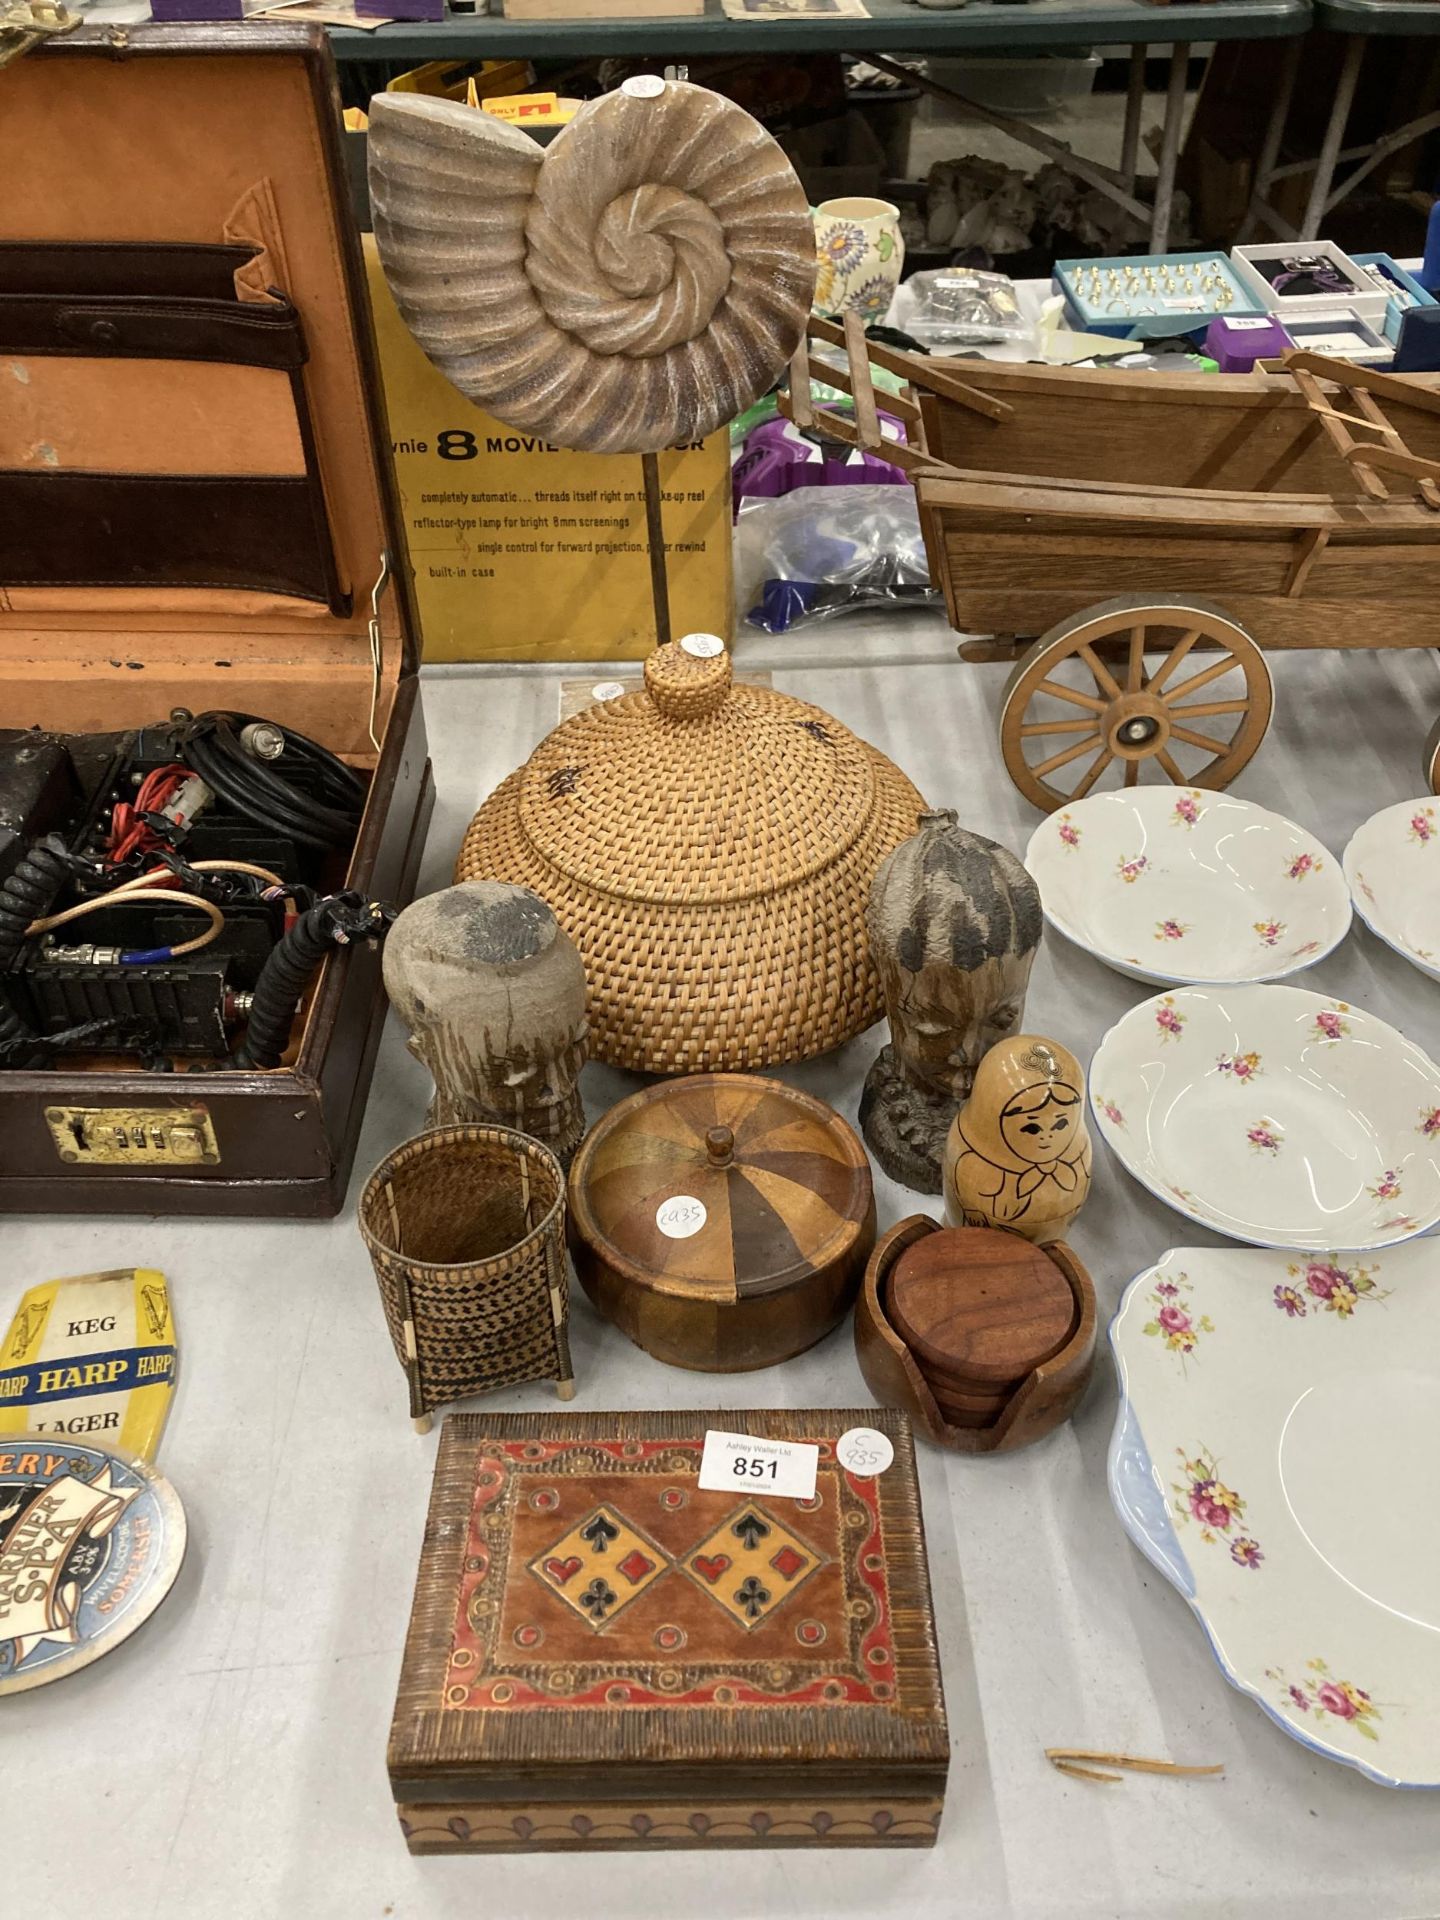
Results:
527 551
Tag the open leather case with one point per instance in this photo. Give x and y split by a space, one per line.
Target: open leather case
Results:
197 510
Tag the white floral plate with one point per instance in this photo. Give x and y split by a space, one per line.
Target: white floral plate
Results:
1199 888
1273 1456
1274 1116
1392 867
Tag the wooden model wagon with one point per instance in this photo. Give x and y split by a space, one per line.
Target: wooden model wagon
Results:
1157 531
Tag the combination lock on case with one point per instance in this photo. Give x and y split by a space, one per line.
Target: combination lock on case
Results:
133 1136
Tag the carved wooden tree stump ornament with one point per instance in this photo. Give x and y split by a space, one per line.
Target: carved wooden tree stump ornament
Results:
634 285
493 994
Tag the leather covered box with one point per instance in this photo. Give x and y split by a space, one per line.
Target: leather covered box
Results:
603 1655
197 510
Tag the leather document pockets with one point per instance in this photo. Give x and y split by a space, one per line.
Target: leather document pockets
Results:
154 426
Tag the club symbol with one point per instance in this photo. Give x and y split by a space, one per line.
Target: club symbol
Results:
597 1599
750 1529
599 1532
752 1596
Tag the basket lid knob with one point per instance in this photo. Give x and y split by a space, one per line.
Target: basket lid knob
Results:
686 684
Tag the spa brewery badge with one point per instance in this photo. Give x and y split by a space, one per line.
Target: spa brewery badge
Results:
90 1544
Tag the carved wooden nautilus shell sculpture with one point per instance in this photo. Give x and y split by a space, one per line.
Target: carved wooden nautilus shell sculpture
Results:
634 285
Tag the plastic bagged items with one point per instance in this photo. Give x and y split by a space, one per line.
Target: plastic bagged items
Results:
819 552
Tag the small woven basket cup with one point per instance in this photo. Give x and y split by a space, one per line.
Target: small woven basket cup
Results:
466 1231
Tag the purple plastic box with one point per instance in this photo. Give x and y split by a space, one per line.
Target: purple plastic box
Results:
778 457
1235 342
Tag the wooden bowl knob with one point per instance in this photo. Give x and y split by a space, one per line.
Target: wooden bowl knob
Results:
720 1146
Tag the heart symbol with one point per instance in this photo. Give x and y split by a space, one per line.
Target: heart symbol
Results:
711 1565
562 1570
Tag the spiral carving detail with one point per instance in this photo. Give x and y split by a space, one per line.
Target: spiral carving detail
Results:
635 285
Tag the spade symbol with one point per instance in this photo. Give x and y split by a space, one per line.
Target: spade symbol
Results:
599 1532
751 1529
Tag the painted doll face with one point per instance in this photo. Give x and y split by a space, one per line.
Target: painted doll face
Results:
1040 1125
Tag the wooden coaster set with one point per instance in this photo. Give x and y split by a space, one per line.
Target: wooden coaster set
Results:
985 1340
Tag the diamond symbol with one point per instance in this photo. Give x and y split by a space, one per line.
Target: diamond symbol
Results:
750 1564
600 1566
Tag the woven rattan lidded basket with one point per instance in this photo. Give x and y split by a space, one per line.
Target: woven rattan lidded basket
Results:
709 848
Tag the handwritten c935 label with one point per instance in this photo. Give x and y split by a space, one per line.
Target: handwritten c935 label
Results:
680 1216
785 1468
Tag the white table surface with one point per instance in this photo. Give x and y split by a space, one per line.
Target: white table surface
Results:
229 1760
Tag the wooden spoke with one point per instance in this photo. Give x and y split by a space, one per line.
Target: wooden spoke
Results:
1132 773
1135 677
1172 660
1171 769
1226 664
1064 759
1088 779
1202 709
1103 676
1201 740
1057 692
1057 726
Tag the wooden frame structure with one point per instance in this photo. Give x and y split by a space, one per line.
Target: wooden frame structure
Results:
1155 515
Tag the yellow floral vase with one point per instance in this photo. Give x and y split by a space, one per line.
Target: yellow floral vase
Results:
860 254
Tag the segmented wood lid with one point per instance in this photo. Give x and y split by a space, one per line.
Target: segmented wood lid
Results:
721 1186
709 848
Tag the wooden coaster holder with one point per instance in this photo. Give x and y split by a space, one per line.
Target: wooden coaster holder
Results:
1046 1397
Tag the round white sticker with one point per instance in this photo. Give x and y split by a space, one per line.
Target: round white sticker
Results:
607 690
863 1451
643 86
680 1216
703 646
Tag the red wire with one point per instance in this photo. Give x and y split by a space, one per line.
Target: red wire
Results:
129 834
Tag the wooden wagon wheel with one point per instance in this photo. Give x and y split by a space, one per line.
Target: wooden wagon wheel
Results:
1432 758
1084 699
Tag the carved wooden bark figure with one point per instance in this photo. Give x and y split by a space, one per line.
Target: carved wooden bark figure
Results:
634 285
493 993
954 923
1018 1155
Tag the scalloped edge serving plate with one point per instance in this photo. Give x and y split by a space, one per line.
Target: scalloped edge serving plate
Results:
1273 1116
1400 851
1272 1458
1177 871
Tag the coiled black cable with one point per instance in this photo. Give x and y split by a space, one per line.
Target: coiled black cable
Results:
27 893
336 921
211 745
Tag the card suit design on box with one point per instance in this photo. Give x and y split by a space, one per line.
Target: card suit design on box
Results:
750 1564
600 1566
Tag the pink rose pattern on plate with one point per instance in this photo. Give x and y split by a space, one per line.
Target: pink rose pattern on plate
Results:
1187 810
1302 864
1069 833
1240 1066
1111 1112
1430 1122
1319 1693
1323 1286
1168 1019
1265 1137
1171 929
1270 932
1422 826
1203 1496
1387 1187
1328 1024
1131 870
1175 1322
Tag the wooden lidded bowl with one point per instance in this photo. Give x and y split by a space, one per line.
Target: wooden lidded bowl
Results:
722 1221
954 1408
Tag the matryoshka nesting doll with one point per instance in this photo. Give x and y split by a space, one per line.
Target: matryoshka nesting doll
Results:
1018 1155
